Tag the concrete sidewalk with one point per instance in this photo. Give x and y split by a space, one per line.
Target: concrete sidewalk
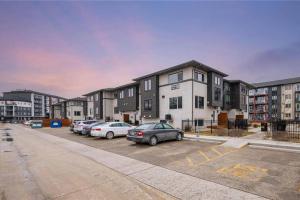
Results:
173 183
244 141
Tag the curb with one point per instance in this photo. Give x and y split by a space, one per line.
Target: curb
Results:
252 143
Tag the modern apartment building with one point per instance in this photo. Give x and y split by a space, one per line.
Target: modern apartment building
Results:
278 99
189 91
40 102
14 110
73 109
100 104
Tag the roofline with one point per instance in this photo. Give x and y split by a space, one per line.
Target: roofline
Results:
126 85
31 91
104 89
240 81
277 82
181 66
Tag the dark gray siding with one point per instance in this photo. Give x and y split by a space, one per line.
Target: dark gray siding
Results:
152 94
212 87
127 103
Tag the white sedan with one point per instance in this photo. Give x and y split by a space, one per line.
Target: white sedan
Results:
111 129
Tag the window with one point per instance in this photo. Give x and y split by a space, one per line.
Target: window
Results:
199 122
159 126
116 125
199 102
287 87
298 87
274 88
288 105
175 102
167 126
217 80
96 97
77 113
176 77
130 92
297 96
217 94
199 76
288 115
148 104
274 97
148 85
297 106
122 94
97 111
288 96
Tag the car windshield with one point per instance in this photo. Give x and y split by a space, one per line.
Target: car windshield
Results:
98 123
144 126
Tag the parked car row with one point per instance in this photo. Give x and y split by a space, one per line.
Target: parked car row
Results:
150 133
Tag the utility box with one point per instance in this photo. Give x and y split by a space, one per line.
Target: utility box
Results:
55 123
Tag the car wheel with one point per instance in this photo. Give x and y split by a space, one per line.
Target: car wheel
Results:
110 135
179 137
153 141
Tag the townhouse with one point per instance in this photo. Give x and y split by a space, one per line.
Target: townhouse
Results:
73 109
27 104
100 104
189 91
278 99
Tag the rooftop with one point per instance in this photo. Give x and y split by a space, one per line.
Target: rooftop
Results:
240 81
277 82
191 63
32 91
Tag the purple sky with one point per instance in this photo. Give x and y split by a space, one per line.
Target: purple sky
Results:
70 49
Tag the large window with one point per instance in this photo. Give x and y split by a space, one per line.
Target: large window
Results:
175 103
288 105
148 104
122 94
217 94
96 97
199 76
148 85
130 92
297 96
176 77
217 80
199 102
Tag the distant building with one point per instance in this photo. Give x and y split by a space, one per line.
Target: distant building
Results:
73 109
36 104
278 99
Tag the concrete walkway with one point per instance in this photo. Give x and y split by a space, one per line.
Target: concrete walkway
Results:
241 142
173 183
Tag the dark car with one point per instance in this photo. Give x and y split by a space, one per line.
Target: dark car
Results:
153 133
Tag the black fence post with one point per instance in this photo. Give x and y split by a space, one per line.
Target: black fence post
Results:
211 126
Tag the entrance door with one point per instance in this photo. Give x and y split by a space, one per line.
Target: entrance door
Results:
222 119
126 118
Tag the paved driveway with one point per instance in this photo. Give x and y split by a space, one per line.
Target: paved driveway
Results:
270 174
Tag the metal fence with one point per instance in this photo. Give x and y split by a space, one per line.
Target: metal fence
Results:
284 130
230 127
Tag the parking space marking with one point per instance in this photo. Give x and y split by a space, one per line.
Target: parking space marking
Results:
216 151
190 162
204 155
244 171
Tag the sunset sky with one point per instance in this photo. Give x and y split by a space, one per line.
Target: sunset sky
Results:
71 48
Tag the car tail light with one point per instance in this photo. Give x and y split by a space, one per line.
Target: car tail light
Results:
140 133
97 129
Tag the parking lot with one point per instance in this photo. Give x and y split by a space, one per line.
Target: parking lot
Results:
271 174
